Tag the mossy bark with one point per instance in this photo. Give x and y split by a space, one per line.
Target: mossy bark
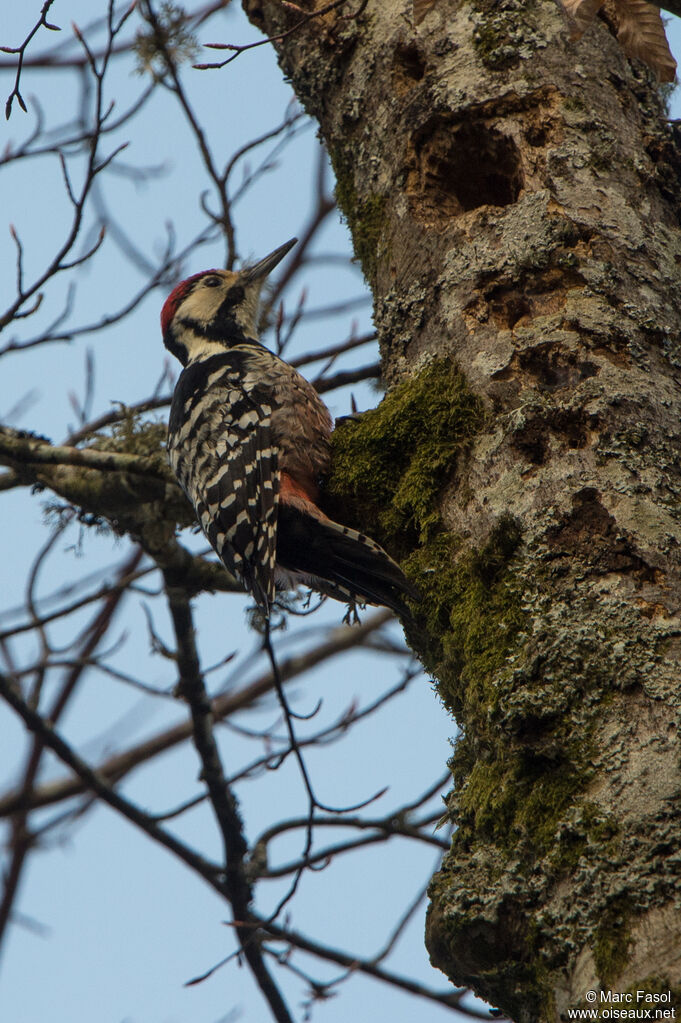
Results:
513 198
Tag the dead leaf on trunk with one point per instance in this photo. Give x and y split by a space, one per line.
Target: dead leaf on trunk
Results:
640 31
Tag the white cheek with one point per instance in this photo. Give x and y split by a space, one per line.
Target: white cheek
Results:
203 305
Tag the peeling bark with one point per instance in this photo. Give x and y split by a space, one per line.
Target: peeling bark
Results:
513 198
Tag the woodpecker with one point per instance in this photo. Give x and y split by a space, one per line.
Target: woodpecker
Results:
249 440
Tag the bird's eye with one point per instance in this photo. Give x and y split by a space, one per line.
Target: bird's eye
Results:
212 282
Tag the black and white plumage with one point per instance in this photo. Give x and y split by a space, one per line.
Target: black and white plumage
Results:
249 439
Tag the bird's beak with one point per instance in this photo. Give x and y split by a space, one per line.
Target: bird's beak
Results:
265 266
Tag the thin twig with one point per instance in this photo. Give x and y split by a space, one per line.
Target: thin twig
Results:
93 781
21 52
239 49
121 764
22 839
295 939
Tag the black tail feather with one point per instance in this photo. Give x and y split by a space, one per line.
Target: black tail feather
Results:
353 565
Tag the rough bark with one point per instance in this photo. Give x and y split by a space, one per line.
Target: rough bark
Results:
513 199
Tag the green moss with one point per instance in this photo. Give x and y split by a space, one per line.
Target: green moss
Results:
517 796
611 939
367 229
513 794
389 470
516 801
390 465
523 797
365 217
472 614
485 594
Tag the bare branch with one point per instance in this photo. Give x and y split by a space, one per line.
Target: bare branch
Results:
94 165
22 840
349 376
295 939
384 829
120 765
333 350
21 52
95 783
15 448
122 583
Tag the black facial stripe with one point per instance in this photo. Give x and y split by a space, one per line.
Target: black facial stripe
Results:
178 350
234 295
227 331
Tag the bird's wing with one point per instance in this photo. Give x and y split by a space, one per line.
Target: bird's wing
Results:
220 445
239 495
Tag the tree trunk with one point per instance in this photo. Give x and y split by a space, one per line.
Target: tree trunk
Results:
513 200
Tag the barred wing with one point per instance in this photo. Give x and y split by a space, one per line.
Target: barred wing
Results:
220 447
